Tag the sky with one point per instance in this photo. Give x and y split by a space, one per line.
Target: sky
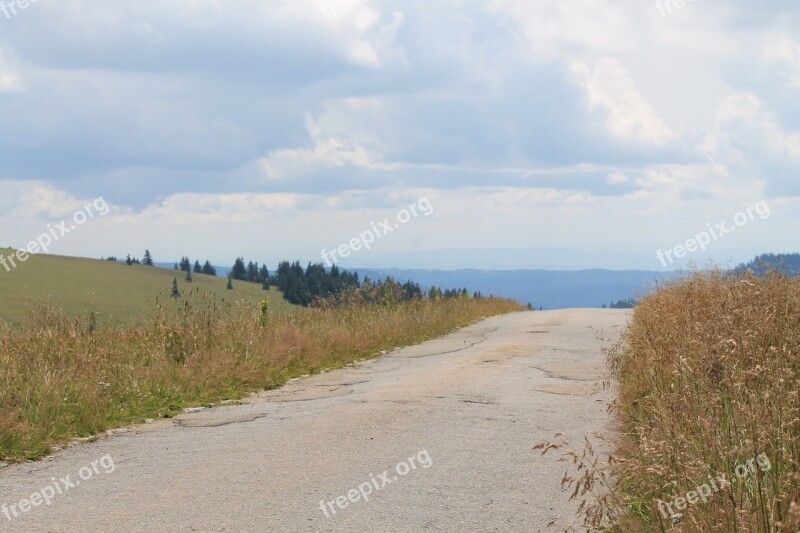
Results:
459 134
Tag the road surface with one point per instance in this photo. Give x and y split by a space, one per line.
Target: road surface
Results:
434 437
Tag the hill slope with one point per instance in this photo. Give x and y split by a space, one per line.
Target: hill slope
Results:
114 291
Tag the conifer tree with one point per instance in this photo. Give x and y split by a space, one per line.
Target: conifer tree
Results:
263 276
208 269
239 271
175 292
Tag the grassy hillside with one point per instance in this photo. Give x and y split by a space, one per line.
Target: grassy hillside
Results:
114 291
709 376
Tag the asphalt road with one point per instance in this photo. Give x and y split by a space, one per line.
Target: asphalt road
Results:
434 437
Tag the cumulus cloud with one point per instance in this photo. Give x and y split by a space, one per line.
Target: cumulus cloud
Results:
551 28
785 53
751 142
627 115
343 134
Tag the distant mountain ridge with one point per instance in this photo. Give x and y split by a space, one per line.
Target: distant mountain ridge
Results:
554 289
788 264
548 289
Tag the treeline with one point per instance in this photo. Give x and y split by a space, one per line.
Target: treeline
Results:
147 260
186 266
316 285
627 303
303 286
788 264
250 272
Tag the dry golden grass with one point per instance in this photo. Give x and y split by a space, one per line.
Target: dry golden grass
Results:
61 378
709 377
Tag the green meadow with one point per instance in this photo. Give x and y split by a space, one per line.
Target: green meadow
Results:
115 292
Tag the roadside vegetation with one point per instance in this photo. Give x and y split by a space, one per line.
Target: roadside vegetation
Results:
62 377
709 378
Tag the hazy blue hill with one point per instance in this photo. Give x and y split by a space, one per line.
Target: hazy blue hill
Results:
550 289
785 263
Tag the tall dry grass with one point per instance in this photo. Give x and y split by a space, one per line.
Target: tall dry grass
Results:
61 379
709 377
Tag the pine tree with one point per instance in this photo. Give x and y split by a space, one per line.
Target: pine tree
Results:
197 268
148 259
230 284
186 265
188 277
252 272
175 267
128 260
263 276
208 269
239 271
175 292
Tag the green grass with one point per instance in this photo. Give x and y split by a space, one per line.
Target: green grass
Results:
115 292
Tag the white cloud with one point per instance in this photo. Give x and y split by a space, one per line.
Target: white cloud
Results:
785 52
749 138
551 28
628 116
354 21
343 134
9 77
617 178
47 201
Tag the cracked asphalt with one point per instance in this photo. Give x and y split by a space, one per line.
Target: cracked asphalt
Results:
437 436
